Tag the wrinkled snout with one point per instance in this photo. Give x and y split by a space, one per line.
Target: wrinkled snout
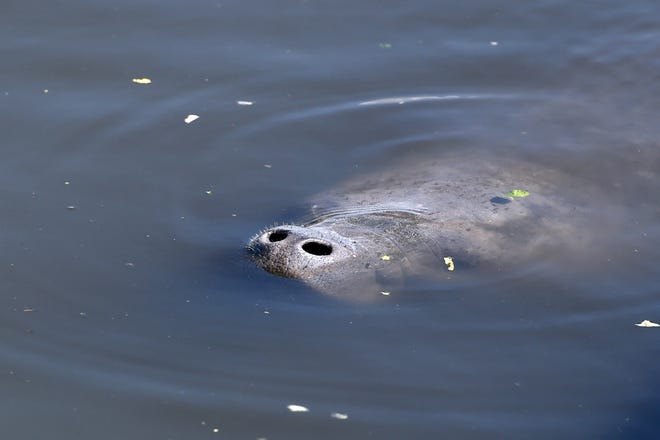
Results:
298 251
306 243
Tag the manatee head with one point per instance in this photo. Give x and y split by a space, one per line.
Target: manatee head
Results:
358 251
381 230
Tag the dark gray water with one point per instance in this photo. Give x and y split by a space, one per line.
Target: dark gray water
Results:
129 310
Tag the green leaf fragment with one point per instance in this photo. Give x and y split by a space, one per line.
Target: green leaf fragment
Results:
514 193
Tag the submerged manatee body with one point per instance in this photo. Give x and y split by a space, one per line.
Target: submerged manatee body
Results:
383 228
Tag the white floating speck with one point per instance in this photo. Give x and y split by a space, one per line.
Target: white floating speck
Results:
267 165
647 323
385 293
142 80
339 416
297 408
494 43
191 118
244 102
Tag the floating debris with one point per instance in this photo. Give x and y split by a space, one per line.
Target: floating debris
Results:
191 118
647 323
71 208
244 102
142 80
339 416
28 309
385 45
449 261
385 258
267 165
208 192
517 193
297 408
385 293
494 43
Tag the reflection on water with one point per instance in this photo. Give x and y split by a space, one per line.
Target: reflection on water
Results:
130 310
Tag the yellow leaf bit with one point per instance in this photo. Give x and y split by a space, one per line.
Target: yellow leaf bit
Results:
517 193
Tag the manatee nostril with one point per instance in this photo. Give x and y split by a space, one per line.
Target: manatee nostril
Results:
278 235
317 248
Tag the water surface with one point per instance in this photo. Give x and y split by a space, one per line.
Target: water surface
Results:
129 310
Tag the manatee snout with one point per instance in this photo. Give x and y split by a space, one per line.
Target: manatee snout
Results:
306 242
298 251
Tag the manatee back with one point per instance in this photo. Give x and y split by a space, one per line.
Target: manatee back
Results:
464 208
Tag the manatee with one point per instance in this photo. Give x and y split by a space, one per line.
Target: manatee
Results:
421 218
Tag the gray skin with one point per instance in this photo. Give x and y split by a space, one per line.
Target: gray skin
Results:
379 230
